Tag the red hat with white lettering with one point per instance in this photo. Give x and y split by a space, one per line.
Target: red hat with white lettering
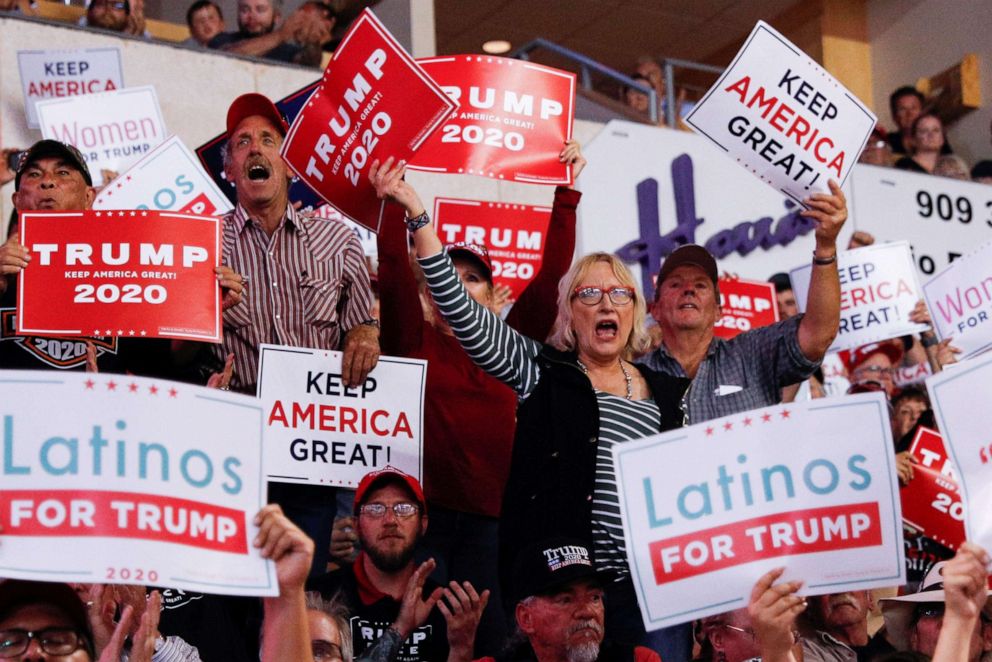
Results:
255 104
889 348
389 474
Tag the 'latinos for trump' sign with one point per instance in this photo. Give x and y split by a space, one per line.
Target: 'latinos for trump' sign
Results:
960 301
374 102
145 481
67 73
111 129
878 290
811 487
514 235
959 402
319 430
169 178
783 117
514 118
141 274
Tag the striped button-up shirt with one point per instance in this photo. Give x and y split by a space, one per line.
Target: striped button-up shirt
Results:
307 285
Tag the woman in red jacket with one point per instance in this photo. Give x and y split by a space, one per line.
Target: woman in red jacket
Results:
469 416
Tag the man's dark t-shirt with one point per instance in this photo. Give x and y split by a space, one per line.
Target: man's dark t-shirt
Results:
372 612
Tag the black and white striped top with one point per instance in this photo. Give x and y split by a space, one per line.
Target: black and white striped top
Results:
511 358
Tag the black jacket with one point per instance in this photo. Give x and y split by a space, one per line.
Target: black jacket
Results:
552 470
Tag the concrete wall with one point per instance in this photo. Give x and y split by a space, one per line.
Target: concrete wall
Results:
912 39
194 88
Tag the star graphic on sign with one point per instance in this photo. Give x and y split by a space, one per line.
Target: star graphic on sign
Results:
132 387
129 178
153 389
131 332
111 385
728 426
747 422
89 384
120 185
120 213
120 332
109 193
785 413
709 432
144 333
766 417
173 392
96 332
107 333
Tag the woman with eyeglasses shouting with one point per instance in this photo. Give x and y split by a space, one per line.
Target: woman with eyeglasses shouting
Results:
578 396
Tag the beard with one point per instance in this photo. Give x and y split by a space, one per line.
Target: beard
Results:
586 652
389 560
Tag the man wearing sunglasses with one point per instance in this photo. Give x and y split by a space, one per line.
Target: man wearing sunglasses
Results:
391 518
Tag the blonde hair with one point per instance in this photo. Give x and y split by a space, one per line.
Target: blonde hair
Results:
563 335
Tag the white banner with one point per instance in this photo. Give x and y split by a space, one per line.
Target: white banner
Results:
960 301
959 396
673 189
942 218
317 430
168 178
709 508
878 289
783 117
121 479
67 73
112 129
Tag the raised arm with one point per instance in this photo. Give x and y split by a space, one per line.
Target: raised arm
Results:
399 301
966 579
489 342
819 325
534 313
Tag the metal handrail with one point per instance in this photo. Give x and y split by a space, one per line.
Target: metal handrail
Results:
587 64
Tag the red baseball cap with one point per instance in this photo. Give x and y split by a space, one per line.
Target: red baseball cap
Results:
890 349
389 474
255 104
477 252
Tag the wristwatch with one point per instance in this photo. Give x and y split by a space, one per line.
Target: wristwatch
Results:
370 322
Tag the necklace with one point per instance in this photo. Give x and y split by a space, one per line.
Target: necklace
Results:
626 376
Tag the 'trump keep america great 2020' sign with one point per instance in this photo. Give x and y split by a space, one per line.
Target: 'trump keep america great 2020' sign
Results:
810 486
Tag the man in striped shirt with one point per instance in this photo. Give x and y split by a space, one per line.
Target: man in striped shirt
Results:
306 284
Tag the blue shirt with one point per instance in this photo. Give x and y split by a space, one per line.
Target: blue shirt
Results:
743 373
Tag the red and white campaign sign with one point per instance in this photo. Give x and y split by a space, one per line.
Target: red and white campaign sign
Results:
143 274
320 431
783 117
959 297
878 290
111 129
145 481
811 487
959 403
513 234
513 120
374 102
169 178
67 73
931 502
745 305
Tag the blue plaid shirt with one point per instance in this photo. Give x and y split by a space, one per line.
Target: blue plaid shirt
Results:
743 373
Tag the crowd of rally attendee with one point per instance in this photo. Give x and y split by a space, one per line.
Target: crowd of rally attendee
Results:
524 400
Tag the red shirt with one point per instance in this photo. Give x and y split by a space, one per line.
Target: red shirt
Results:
469 417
